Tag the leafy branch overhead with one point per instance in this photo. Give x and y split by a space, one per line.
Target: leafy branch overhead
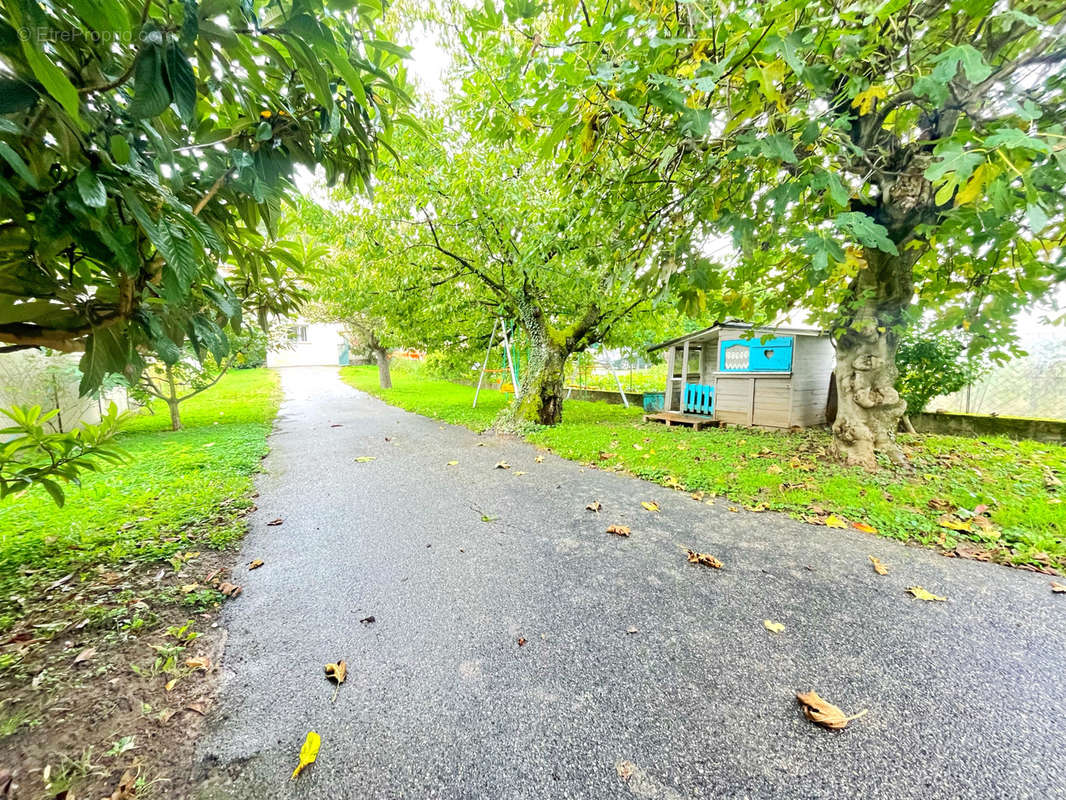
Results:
146 151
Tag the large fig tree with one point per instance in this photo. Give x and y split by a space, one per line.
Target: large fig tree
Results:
871 160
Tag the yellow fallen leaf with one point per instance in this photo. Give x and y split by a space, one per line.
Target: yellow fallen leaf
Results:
452 463
824 713
337 672
703 558
879 565
833 521
256 564
652 506
1058 588
517 473
502 465
618 530
922 594
773 627
201 662
171 683
948 521
308 753
864 527
364 459
189 587
539 459
594 506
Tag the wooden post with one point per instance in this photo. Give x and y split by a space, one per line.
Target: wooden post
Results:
684 376
668 404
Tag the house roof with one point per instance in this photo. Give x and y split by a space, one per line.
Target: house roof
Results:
734 325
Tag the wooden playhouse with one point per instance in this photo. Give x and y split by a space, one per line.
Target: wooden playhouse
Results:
732 373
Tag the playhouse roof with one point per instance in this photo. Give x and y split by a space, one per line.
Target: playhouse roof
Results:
790 330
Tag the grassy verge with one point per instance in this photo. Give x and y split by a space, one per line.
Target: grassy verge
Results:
992 498
134 555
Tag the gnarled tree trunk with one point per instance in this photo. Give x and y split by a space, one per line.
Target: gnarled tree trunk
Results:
542 382
869 408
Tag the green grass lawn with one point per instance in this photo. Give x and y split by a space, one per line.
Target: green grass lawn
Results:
180 491
938 502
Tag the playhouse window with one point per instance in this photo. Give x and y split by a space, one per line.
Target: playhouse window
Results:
736 357
298 333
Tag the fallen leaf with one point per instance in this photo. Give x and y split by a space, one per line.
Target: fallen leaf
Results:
652 506
823 713
1058 588
274 522
631 629
126 789
189 587
833 521
308 753
502 465
626 769
864 527
198 708
337 672
774 469
364 459
452 463
171 684
256 564
773 627
1050 479
229 589
517 473
618 530
200 662
84 655
922 594
703 558
879 565
368 620
940 504
539 459
948 521
60 582
521 641
594 506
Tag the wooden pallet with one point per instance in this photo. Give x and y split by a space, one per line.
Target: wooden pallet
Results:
674 418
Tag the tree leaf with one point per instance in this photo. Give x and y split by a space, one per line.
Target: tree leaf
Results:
364 459
308 753
773 627
879 565
17 164
864 527
150 93
923 594
706 559
824 713
594 506
833 521
181 81
91 189
255 563
618 530
650 506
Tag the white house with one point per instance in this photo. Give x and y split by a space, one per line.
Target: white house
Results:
307 344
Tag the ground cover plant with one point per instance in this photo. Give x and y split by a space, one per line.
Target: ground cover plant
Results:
992 499
104 602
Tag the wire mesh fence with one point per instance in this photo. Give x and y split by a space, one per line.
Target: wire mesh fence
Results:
1026 387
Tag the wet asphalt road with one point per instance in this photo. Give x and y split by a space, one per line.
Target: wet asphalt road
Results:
966 699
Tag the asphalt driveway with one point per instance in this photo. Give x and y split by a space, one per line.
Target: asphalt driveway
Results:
641 675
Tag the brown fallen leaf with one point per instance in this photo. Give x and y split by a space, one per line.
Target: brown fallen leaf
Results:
229 589
618 530
337 673
626 769
521 641
256 564
650 506
1058 588
940 504
198 708
274 522
126 789
594 506
923 594
200 662
824 713
879 565
703 558
84 655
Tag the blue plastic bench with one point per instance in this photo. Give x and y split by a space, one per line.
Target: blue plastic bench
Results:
699 399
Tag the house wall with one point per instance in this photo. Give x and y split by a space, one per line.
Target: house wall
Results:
322 348
813 362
